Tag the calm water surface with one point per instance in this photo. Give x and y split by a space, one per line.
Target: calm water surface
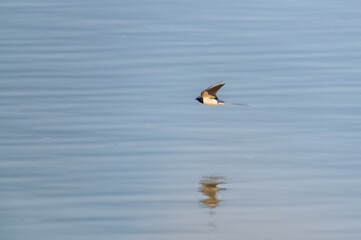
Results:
101 137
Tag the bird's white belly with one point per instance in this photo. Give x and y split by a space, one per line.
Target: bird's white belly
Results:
210 101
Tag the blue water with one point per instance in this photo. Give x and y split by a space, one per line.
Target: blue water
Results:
101 137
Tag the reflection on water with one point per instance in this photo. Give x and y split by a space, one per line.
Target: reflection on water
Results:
210 189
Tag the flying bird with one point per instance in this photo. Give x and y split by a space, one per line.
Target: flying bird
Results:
209 96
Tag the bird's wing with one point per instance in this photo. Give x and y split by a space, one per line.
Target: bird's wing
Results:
212 90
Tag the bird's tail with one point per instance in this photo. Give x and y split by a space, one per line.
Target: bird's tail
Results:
237 104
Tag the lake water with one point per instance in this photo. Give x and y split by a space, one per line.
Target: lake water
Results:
101 137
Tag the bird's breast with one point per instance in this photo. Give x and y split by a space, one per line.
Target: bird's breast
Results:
210 101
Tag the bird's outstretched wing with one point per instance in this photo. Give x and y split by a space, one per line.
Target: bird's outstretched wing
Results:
212 90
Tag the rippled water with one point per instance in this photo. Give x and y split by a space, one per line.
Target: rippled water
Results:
101 137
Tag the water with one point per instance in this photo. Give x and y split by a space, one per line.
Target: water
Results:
101 137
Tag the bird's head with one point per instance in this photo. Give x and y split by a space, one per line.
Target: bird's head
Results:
199 99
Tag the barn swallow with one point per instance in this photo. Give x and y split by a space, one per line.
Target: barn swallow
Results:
209 96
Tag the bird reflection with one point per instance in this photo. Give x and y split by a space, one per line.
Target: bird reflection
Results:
210 189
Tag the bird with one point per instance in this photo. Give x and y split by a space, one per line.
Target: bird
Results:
209 96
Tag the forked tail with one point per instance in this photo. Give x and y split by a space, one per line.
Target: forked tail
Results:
237 104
